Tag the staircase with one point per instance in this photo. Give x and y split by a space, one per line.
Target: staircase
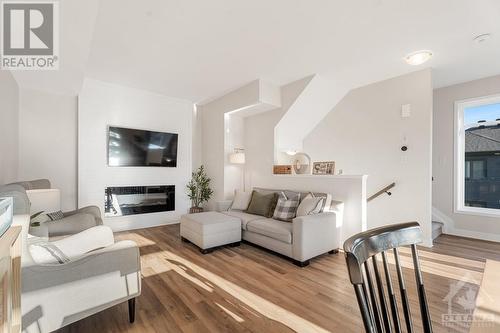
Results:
437 229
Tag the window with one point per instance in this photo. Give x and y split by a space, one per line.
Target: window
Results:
477 156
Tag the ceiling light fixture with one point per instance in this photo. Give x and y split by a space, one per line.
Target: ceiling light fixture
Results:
418 57
481 38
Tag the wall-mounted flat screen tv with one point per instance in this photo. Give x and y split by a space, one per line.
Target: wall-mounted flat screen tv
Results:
138 148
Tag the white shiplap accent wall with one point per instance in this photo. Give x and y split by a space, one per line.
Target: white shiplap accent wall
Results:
102 104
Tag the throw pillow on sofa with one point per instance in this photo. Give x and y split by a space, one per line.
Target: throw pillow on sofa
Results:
286 208
310 205
261 204
241 200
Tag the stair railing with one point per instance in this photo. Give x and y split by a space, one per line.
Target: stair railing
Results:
382 191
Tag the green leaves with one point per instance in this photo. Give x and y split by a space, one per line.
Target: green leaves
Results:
198 188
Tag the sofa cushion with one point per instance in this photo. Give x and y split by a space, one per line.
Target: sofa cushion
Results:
261 204
241 200
286 208
275 229
244 217
288 193
311 205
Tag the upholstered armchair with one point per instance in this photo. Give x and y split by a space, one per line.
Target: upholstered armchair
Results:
57 294
44 198
89 272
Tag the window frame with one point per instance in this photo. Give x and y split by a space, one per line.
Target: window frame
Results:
459 158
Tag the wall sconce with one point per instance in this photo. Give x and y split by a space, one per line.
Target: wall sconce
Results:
238 157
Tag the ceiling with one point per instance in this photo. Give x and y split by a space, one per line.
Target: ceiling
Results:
196 50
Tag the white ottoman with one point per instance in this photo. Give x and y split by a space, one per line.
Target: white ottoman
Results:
208 230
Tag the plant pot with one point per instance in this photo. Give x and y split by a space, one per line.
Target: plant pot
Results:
194 210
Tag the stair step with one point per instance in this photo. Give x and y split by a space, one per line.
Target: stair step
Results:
437 229
437 225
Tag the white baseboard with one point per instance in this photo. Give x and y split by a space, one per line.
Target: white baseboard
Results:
125 226
473 234
427 243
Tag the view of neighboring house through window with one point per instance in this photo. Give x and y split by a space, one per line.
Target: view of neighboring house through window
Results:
481 148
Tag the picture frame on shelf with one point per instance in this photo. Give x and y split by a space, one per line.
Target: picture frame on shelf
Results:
324 168
282 169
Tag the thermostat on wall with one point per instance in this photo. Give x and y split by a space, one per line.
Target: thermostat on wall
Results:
405 110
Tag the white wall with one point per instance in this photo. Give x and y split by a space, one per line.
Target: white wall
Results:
254 95
363 134
197 137
102 104
48 141
9 119
443 147
259 138
317 99
234 138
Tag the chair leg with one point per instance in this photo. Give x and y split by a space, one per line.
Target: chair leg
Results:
131 310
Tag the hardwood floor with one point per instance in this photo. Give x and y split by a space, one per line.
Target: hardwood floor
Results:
246 289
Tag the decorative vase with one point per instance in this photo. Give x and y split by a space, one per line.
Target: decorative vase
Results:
194 210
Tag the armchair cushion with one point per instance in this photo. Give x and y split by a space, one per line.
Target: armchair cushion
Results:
71 247
71 224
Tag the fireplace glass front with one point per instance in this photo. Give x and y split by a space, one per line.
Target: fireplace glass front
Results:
131 200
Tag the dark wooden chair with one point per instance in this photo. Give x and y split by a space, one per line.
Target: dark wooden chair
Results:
361 253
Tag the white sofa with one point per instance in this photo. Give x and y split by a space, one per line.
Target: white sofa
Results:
55 295
305 238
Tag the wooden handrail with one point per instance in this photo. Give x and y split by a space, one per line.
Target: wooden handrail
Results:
382 191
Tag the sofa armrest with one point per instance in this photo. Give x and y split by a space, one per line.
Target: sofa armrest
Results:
314 235
56 295
92 210
71 224
122 257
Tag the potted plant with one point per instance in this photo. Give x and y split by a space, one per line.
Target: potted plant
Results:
198 190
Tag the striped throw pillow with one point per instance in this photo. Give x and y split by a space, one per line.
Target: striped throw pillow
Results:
286 208
56 215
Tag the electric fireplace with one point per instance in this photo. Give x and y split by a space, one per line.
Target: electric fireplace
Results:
131 200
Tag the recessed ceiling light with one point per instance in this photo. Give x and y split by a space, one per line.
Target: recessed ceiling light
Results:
481 38
418 57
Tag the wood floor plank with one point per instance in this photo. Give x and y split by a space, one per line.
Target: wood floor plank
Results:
247 289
